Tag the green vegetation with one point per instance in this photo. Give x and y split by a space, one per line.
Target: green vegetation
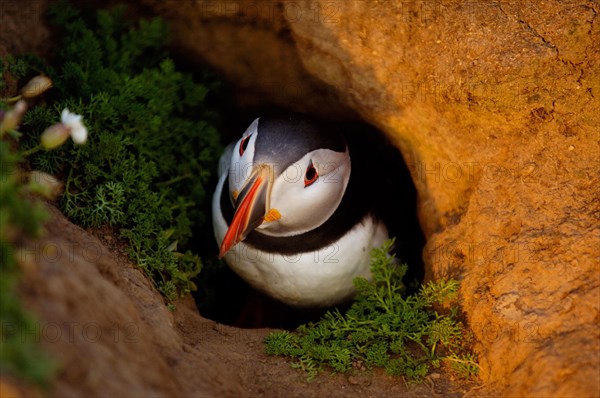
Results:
405 335
20 217
143 171
151 147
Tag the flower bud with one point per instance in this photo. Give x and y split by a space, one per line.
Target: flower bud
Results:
12 118
55 135
36 86
45 184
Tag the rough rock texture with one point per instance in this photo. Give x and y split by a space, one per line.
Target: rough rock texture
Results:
249 42
495 106
22 28
502 132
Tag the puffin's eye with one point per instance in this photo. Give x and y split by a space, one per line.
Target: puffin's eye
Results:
311 175
244 144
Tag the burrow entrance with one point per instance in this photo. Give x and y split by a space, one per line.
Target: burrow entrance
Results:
224 297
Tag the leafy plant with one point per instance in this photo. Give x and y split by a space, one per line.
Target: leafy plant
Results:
405 335
143 170
151 146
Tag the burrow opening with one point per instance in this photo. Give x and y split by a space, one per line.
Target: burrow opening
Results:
224 297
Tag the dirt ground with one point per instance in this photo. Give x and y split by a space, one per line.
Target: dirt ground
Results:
261 375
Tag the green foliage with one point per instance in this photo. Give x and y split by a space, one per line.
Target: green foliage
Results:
143 170
17 68
19 216
151 146
405 335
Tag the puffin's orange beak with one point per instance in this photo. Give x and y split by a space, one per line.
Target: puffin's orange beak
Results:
250 211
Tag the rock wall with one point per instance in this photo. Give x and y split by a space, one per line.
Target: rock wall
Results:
250 43
495 108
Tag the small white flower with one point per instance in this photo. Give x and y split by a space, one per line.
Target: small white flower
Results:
71 125
73 122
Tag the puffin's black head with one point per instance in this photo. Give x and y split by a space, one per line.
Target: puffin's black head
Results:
283 140
287 176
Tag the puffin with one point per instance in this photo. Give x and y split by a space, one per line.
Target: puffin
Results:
293 211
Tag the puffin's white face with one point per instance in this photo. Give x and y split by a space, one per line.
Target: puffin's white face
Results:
280 196
308 192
